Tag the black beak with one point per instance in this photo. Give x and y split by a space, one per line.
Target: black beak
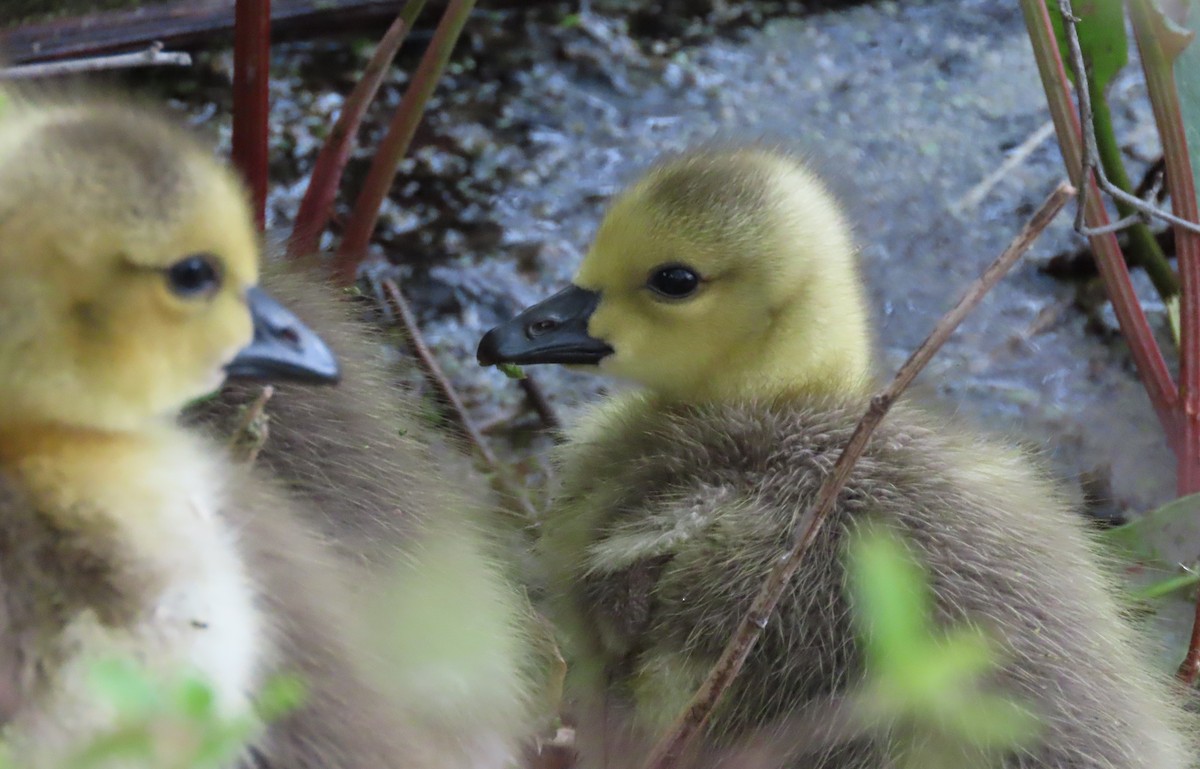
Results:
552 331
283 348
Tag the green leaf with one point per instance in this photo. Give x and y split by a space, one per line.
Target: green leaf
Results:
922 678
1170 25
987 721
196 699
511 370
280 695
1167 586
1102 40
1135 541
128 688
892 600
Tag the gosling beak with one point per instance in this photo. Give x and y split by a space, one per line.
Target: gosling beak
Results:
283 348
552 331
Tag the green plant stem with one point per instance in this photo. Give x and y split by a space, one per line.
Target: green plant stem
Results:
1143 249
395 143
1151 366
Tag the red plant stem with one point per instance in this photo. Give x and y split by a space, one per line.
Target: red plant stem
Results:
678 740
395 143
317 206
1147 356
251 98
1168 116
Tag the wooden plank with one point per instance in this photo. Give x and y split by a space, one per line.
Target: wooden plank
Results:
181 24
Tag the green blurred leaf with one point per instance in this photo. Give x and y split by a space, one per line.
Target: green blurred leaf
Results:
987 721
920 677
173 722
280 695
196 699
124 685
891 594
1135 541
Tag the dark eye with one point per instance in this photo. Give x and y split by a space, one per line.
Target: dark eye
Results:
195 275
675 281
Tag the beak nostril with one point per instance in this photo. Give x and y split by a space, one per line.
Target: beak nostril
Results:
290 335
539 327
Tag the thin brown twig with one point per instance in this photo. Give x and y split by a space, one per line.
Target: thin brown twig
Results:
252 429
154 56
688 725
434 374
1091 154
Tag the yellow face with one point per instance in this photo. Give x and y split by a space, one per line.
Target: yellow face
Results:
718 276
673 305
731 278
125 258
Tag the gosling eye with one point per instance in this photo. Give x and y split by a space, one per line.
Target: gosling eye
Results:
194 276
674 281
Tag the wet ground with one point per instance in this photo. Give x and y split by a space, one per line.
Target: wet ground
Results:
907 107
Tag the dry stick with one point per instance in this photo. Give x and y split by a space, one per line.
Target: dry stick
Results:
434 374
154 56
252 429
685 729
317 206
1018 156
1151 366
1091 159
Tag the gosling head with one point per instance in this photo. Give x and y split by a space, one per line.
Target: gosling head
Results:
128 271
718 275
